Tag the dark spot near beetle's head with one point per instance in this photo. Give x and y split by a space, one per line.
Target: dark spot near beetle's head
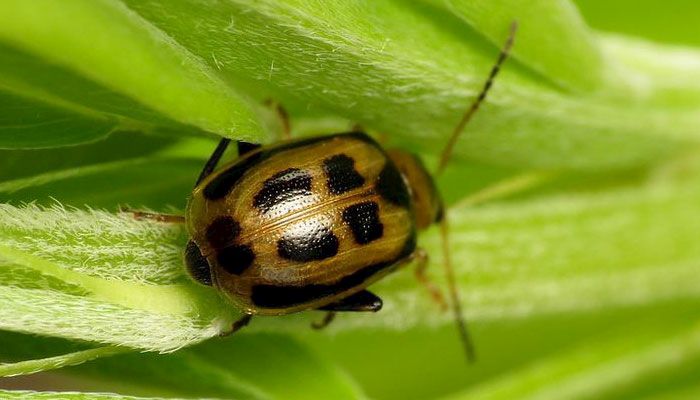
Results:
235 259
391 186
222 231
226 180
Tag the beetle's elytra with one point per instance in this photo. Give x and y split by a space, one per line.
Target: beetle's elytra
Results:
311 223
307 224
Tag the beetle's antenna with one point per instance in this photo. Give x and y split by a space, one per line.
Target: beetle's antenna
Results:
213 160
505 50
454 294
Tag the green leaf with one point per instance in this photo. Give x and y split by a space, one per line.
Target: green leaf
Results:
239 368
69 359
399 67
27 123
126 169
25 394
413 73
591 342
236 367
114 278
613 366
97 61
670 22
547 30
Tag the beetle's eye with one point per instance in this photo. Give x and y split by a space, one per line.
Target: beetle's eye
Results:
197 265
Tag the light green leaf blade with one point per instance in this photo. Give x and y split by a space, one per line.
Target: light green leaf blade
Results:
28 367
25 124
26 394
432 365
156 308
406 75
670 22
124 68
411 76
608 367
127 169
237 367
552 38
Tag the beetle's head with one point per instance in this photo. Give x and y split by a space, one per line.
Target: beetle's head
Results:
426 200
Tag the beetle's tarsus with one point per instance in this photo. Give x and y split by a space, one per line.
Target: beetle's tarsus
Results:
327 319
237 325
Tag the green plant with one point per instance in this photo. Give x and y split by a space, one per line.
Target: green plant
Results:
573 194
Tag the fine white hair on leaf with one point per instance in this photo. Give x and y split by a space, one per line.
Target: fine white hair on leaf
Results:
102 277
98 243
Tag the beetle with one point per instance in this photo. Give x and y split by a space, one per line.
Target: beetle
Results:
311 223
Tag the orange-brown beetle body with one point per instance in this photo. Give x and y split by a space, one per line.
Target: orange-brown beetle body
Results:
308 224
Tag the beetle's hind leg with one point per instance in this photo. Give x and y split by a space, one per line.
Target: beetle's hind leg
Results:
327 319
146 215
361 301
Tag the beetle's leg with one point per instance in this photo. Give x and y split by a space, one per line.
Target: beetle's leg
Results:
238 324
143 215
213 160
327 319
283 116
363 300
421 258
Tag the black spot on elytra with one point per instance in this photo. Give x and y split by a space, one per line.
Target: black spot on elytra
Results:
363 219
281 187
314 242
391 186
226 180
341 174
271 296
222 231
235 259
197 265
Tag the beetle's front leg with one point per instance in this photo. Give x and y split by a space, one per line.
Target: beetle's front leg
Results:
145 215
238 324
